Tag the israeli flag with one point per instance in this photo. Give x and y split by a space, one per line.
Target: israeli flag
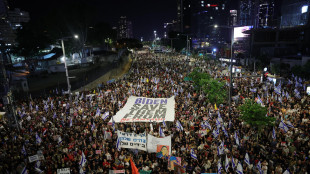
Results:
226 164
239 168
38 164
83 160
253 90
218 123
37 107
225 132
287 172
38 139
38 170
215 133
24 152
98 112
289 124
233 164
193 155
70 122
161 132
59 140
54 116
189 95
207 124
247 159
219 167
164 124
220 149
105 115
30 105
259 167
93 126
118 145
179 126
24 171
274 134
237 139
259 100
283 126
277 89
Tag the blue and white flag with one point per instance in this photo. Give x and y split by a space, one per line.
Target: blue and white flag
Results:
30 106
38 139
83 160
193 155
233 164
38 170
215 133
43 120
37 108
239 168
59 140
289 124
179 126
220 149
24 171
105 115
38 164
259 167
161 132
54 116
218 123
98 112
118 145
93 126
297 93
226 164
259 100
237 139
283 126
286 172
277 89
207 124
247 159
164 123
24 152
225 132
253 90
274 134
70 122
219 167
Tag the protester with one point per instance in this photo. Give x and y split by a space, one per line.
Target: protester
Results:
69 132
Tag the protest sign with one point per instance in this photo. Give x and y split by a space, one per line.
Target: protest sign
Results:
33 158
63 171
132 140
142 109
152 143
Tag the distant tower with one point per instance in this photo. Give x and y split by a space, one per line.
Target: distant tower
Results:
124 28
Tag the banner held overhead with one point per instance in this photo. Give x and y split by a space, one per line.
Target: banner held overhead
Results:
142 109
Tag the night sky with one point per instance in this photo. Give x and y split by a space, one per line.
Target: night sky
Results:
146 15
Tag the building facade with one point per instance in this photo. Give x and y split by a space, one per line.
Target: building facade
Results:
294 13
124 29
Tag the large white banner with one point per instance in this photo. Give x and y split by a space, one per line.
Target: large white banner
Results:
132 140
142 109
152 143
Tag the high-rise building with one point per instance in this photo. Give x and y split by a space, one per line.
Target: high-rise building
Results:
265 16
4 7
247 13
124 28
10 22
294 13
233 18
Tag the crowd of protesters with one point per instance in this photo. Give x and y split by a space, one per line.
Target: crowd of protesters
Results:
61 130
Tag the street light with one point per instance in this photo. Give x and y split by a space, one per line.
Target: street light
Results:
231 61
65 61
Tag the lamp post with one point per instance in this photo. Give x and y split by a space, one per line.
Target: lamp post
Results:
231 62
66 67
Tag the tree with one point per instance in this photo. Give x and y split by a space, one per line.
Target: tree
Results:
197 76
215 91
254 114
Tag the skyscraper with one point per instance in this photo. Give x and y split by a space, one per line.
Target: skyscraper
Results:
124 28
294 13
247 12
265 16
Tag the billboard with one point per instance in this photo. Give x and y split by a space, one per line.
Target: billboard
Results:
238 32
